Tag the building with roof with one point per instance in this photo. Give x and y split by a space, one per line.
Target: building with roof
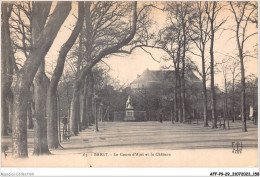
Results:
161 79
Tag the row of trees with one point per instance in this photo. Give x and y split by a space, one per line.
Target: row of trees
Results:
30 29
191 30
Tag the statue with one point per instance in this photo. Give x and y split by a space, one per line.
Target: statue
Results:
129 103
129 110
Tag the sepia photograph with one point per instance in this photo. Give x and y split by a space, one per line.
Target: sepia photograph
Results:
129 84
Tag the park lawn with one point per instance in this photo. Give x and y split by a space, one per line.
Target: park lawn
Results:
149 144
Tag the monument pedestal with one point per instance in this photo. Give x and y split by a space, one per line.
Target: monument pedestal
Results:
129 115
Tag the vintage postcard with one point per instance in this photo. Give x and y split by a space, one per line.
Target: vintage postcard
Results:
129 84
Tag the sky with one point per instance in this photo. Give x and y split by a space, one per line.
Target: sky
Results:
126 68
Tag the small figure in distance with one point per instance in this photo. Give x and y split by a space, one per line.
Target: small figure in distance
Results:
64 130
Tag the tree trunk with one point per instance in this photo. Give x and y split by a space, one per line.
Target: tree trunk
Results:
203 40
52 122
79 122
243 92
81 91
183 92
180 100
226 102
183 71
212 84
6 68
40 125
83 111
29 116
172 111
84 105
96 115
213 97
75 109
90 113
75 102
41 83
101 113
19 127
11 110
58 115
68 99
233 100
4 109
243 84
30 109
205 98
53 139
179 83
176 108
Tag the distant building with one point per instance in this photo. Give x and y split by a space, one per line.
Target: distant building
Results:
156 87
161 79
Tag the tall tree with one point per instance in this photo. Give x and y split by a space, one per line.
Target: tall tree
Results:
113 44
212 10
7 58
175 43
75 109
90 78
21 35
200 37
26 74
170 41
242 12
40 83
24 37
184 18
52 127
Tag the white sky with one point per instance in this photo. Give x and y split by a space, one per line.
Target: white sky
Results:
127 67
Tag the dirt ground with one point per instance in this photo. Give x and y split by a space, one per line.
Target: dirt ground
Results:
153 144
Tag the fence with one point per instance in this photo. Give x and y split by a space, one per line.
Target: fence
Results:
138 115
119 116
